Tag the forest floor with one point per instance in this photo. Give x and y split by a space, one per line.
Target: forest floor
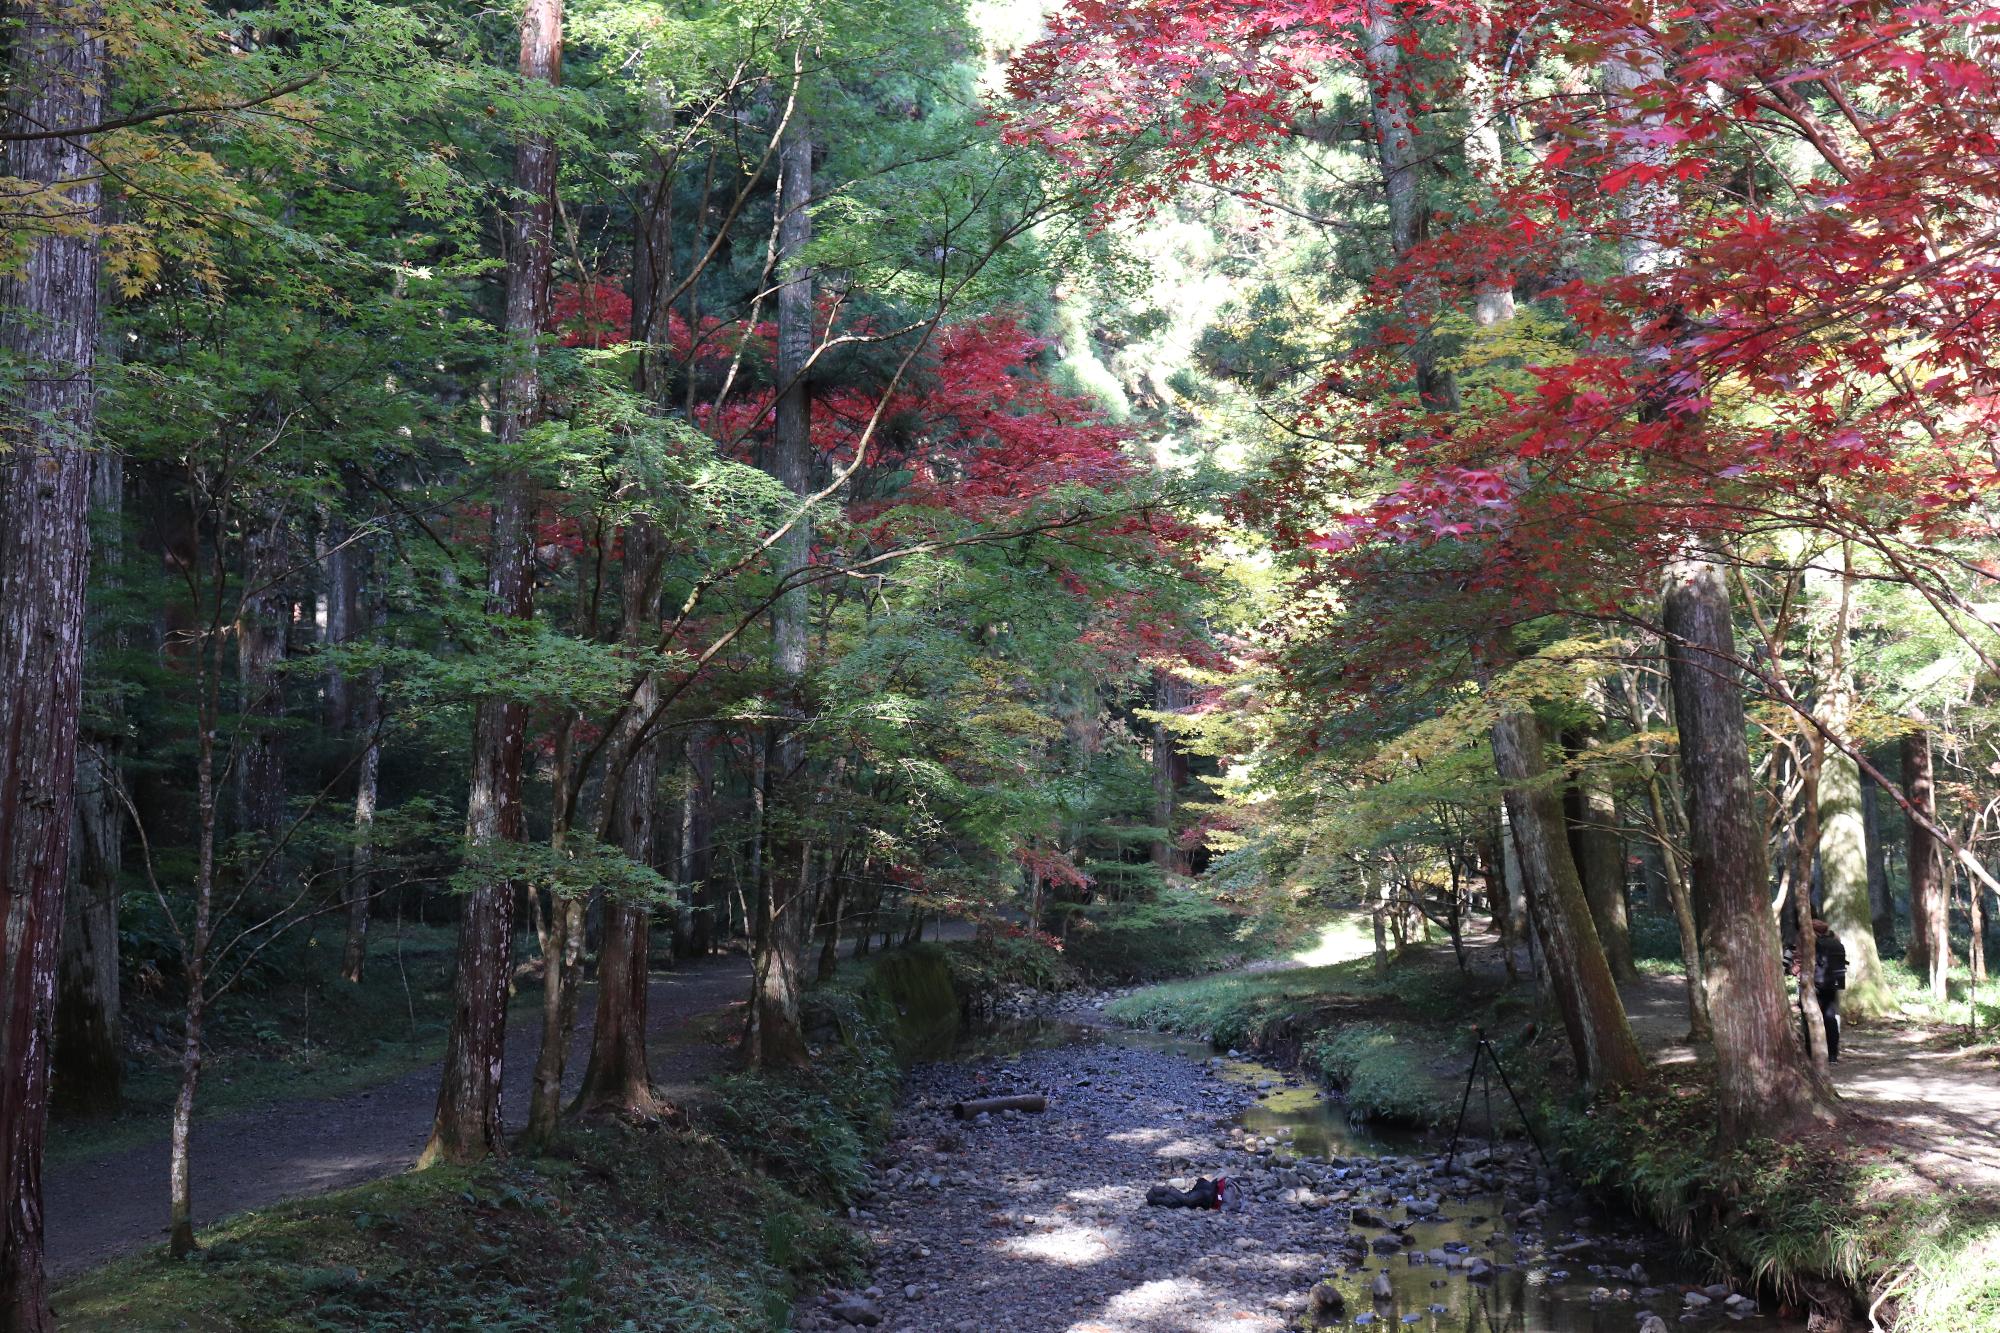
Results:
1921 1093
101 1204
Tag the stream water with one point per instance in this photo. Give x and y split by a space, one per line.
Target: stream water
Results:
1555 1268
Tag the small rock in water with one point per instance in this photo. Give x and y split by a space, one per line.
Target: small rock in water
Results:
1652 1323
1327 1299
1694 1300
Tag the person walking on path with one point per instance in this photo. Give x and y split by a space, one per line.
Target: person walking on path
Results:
1829 980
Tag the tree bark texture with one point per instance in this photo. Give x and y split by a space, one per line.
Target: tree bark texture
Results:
705 899
88 1043
1880 901
617 1079
785 913
1930 901
367 612
1765 1083
1394 120
48 326
1607 1056
1843 837
468 1123
1591 813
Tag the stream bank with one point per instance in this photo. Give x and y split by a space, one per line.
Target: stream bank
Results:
1039 1222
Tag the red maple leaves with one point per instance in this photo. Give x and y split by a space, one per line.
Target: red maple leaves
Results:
1752 342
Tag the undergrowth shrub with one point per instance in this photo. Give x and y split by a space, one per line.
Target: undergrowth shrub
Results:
1782 1214
996 960
813 1128
1655 937
1174 933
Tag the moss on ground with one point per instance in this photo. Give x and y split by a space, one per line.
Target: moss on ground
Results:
616 1226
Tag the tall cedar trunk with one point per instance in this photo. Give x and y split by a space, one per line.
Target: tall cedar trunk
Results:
90 1059
48 323
260 650
1975 949
1881 901
616 1079
1843 839
1599 853
361 864
1930 902
468 1123
784 918
1680 903
1764 1081
366 611
1171 694
1600 1037
1395 125
831 901
697 857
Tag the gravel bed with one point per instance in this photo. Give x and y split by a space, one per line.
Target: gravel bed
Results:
1031 1222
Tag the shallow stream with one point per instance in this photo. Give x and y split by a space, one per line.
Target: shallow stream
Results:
1556 1267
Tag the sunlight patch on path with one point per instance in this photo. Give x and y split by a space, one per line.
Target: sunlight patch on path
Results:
1071 1246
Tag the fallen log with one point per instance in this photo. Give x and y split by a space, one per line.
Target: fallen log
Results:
1022 1102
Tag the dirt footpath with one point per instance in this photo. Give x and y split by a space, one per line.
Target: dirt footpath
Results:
100 1208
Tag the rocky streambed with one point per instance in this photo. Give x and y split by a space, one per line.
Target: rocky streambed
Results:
1033 1222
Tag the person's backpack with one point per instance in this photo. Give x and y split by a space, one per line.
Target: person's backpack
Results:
1217 1193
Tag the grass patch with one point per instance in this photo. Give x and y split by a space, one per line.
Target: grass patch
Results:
1953 1283
615 1227
1973 1011
1387 1071
1395 1042
1233 1009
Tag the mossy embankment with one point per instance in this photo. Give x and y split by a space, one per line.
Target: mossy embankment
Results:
1395 1041
712 1225
1830 1224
